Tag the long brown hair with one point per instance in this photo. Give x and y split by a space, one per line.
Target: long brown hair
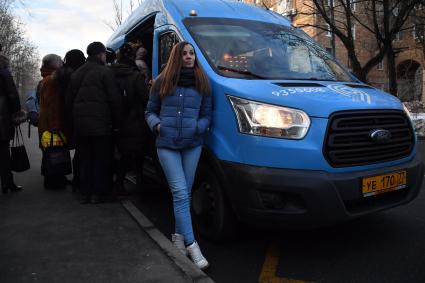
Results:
170 76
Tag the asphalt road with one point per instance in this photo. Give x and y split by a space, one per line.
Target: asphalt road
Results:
384 247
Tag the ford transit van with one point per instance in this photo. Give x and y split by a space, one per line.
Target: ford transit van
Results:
296 140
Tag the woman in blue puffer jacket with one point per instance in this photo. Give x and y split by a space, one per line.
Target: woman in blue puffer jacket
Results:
179 113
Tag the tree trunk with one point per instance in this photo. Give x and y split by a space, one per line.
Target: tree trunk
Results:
358 71
392 74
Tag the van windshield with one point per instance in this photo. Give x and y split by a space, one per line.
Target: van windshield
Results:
257 50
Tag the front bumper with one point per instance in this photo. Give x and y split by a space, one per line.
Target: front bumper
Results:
301 198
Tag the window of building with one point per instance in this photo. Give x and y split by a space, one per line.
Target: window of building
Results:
395 11
353 5
328 5
398 36
328 30
353 30
380 65
379 7
414 32
329 50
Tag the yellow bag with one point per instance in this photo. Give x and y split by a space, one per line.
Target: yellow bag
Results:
59 139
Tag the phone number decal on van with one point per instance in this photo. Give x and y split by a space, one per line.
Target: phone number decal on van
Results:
288 91
355 94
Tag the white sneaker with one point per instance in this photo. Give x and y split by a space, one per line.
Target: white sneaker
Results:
195 254
178 242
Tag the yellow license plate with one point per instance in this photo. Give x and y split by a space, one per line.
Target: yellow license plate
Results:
384 183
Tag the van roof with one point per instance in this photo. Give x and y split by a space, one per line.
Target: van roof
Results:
177 10
223 9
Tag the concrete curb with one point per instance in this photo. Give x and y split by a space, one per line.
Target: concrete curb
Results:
193 273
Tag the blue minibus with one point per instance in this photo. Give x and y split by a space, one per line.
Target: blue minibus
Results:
296 140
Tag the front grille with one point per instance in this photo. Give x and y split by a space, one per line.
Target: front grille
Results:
348 141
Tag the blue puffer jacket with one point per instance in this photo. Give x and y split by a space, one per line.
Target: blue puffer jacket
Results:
184 116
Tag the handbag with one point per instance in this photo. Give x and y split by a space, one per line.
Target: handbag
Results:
56 158
19 156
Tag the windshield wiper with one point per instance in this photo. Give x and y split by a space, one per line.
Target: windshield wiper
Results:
248 73
311 79
320 79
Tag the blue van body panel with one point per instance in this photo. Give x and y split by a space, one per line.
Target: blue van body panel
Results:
116 42
226 9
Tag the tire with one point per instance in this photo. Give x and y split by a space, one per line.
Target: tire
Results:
213 218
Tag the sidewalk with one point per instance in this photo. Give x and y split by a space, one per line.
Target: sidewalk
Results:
48 236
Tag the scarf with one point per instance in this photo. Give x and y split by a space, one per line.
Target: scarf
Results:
187 77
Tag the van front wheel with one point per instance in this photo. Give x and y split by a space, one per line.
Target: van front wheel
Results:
213 217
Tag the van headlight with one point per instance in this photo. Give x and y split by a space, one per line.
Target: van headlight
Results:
262 119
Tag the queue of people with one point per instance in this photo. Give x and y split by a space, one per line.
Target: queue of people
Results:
103 107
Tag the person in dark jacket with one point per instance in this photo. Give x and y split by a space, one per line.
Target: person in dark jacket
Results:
95 105
73 60
52 104
133 137
179 113
9 105
110 56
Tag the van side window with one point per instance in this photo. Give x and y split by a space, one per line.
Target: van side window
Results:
166 43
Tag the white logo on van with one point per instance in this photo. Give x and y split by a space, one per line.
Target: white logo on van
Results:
355 94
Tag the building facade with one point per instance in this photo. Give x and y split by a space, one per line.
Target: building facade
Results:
410 51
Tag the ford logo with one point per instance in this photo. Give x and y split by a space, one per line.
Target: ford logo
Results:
380 135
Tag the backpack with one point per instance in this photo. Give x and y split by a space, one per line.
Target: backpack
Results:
32 105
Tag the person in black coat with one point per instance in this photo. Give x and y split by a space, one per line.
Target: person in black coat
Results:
9 105
95 105
133 138
73 60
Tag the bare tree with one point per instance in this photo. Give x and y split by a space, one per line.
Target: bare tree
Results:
382 19
118 12
418 25
22 54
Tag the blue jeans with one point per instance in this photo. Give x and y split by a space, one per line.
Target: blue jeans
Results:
180 167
